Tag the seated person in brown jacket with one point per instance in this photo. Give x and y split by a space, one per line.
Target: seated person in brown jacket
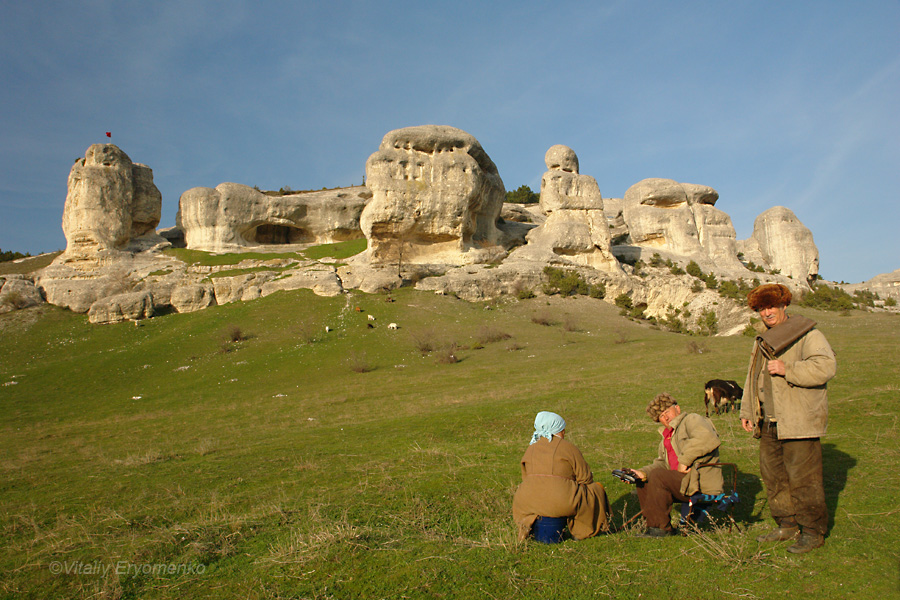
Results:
688 440
557 482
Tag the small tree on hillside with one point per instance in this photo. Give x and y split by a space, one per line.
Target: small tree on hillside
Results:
396 251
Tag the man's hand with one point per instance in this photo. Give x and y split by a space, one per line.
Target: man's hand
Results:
776 367
640 474
746 424
683 468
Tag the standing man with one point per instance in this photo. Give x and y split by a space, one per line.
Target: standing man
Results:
786 408
688 440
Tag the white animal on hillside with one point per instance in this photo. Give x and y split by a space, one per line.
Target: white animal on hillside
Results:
393 326
371 318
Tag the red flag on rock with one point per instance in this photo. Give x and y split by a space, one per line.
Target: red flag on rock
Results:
109 134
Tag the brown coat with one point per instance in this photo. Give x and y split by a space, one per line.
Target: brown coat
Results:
800 398
557 482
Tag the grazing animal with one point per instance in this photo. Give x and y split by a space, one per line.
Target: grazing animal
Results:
327 329
370 326
723 394
371 318
358 309
393 326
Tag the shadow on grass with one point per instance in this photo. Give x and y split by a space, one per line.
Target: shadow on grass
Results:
837 465
625 508
749 486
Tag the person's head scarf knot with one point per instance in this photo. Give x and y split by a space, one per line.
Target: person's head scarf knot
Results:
547 424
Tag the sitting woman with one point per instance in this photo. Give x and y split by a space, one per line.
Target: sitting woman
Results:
557 482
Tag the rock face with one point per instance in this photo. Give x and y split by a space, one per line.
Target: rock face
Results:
234 216
112 205
436 198
680 219
575 230
131 306
781 242
886 285
433 215
192 297
17 292
563 188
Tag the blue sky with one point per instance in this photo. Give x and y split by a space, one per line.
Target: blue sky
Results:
770 103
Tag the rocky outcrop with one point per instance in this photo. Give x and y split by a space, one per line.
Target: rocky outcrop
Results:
433 216
112 205
680 220
131 306
232 216
17 292
781 242
575 230
563 188
436 198
886 285
192 297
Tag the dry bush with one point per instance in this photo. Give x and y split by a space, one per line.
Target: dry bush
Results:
14 300
233 333
697 348
542 318
447 355
621 337
308 332
359 363
490 335
728 547
571 324
425 341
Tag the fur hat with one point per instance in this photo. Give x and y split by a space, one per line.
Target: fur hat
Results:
768 295
659 405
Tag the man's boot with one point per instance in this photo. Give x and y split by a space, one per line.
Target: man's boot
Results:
786 530
808 540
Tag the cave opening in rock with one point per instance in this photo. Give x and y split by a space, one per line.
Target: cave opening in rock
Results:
268 233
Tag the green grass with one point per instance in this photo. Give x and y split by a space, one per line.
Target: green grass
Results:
280 470
338 250
209 259
28 265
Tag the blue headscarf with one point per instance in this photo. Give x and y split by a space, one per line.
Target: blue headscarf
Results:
546 424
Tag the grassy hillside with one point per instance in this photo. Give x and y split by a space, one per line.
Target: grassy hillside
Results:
243 452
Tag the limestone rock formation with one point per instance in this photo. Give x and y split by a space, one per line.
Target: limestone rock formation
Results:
781 242
112 205
886 285
234 216
475 283
192 297
131 306
17 292
680 219
433 215
436 198
562 187
70 285
575 230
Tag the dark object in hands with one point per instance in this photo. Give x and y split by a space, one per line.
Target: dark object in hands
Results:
626 475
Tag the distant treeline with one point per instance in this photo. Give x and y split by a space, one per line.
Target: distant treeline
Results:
8 255
523 195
